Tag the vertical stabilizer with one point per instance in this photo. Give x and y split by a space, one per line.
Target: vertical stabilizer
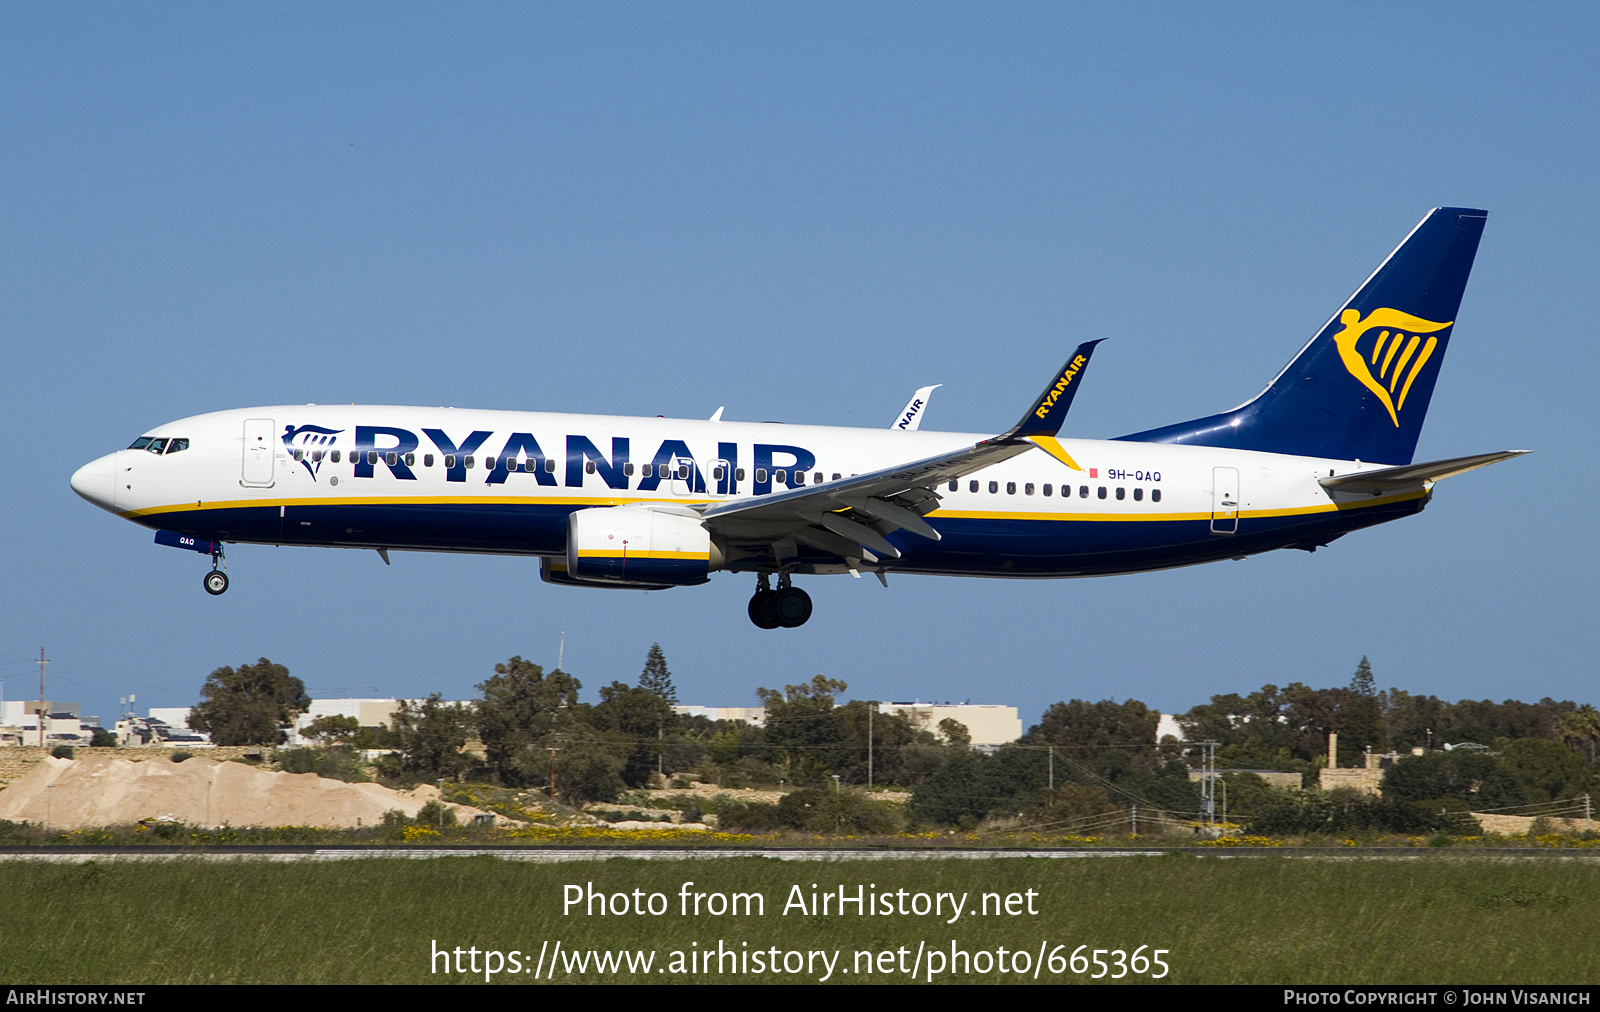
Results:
1360 389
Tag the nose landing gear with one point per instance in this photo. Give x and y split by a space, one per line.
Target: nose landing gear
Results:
788 607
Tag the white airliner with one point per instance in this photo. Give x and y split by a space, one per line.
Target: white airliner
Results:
652 503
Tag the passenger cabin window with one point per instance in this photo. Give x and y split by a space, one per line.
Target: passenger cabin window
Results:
738 474
1027 489
816 479
468 461
1011 488
1102 492
1047 489
761 474
411 458
780 476
647 470
955 484
1155 495
994 487
336 456
836 478
719 473
391 458
972 486
449 459
627 469
1083 491
1121 492
372 456
1138 494
316 456
297 454
799 477
427 460
549 465
588 467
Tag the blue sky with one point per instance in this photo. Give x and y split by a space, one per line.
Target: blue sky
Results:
801 212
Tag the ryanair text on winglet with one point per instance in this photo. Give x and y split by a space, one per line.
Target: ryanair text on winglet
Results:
1049 399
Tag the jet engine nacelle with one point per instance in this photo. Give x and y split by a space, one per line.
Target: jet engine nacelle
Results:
635 546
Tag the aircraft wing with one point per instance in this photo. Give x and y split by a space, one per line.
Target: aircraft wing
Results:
845 516
1393 479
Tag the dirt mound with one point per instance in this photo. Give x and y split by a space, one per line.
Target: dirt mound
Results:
107 791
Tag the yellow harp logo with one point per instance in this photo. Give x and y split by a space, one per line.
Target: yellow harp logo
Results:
1396 345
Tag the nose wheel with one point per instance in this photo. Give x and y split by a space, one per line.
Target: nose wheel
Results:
787 607
216 582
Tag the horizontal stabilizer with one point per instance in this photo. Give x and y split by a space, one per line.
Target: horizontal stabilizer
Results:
1412 475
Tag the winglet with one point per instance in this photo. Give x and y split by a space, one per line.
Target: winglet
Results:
910 417
1050 410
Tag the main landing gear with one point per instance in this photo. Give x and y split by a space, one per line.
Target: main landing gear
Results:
788 606
216 581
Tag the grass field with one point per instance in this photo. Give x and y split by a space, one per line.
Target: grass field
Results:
1449 919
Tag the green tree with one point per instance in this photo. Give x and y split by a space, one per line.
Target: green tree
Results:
1548 770
332 729
519 706
655 677
955 733
251 705
1360 717
1478 779
430 735
805 730
643 717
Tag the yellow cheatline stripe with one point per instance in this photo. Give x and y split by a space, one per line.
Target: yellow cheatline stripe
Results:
1050 445
1147 517
955 514
455 500
595 553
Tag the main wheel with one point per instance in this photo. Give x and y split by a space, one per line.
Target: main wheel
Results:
216 582
762 609
792 607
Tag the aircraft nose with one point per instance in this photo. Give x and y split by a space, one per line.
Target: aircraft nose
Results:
96 481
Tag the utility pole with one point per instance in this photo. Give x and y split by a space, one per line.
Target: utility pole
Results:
1052 776
1135 813
1208 787
42 663
873 709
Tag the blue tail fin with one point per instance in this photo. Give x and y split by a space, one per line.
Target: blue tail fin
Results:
1360 389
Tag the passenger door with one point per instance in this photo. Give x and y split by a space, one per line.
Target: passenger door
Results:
1225 500
259 450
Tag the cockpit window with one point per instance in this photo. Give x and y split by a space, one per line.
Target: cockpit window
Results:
156 446
140 443
177 445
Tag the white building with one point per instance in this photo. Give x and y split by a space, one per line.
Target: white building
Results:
987 723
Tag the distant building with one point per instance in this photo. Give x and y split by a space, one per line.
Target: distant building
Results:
63 723
988 723
756 715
